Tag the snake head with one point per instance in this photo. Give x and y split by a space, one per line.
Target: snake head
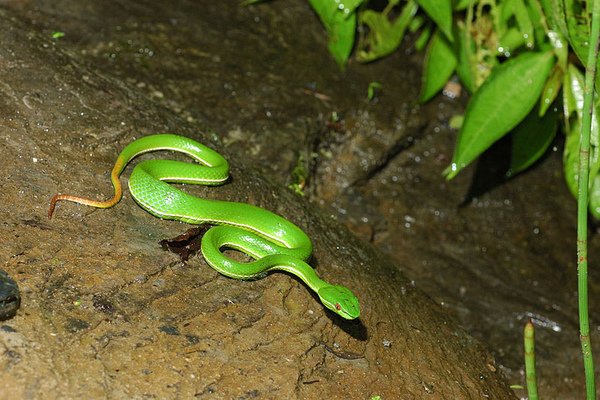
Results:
340 300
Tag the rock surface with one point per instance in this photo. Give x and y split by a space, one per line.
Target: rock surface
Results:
106 313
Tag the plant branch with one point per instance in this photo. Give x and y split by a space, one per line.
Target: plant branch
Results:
582 204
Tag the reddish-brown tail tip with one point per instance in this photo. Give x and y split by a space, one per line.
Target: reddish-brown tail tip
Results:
53 201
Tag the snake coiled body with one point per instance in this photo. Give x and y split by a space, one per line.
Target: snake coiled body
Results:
271 240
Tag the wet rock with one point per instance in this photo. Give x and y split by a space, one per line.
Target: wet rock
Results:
10 297
66 118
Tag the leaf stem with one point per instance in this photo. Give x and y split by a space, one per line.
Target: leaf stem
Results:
530 375
582 204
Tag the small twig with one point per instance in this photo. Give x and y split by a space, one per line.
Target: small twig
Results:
530 375
582 204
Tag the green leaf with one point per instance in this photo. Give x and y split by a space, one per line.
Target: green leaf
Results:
531 138
423 38
505 12
341 39
573 114
339 20
555 15
372 89
465 67
561 48
571 87
57 35
504 99
578 29
525 24
511 40
440 62
348 6
536 16
384 36
461 4
595 198
522 31
567 19
551 89
571 156
573 101
440 11
416 23
571 166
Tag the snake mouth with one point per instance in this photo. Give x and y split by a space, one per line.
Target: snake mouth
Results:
348 316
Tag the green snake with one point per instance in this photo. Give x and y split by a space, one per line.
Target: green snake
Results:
272 241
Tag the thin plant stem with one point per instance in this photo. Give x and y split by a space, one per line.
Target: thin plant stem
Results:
582 205
530 375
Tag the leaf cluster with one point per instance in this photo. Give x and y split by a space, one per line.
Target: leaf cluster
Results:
521 61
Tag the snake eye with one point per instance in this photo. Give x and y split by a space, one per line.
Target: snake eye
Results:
337 306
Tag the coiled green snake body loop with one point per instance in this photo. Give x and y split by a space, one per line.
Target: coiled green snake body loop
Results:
273 242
